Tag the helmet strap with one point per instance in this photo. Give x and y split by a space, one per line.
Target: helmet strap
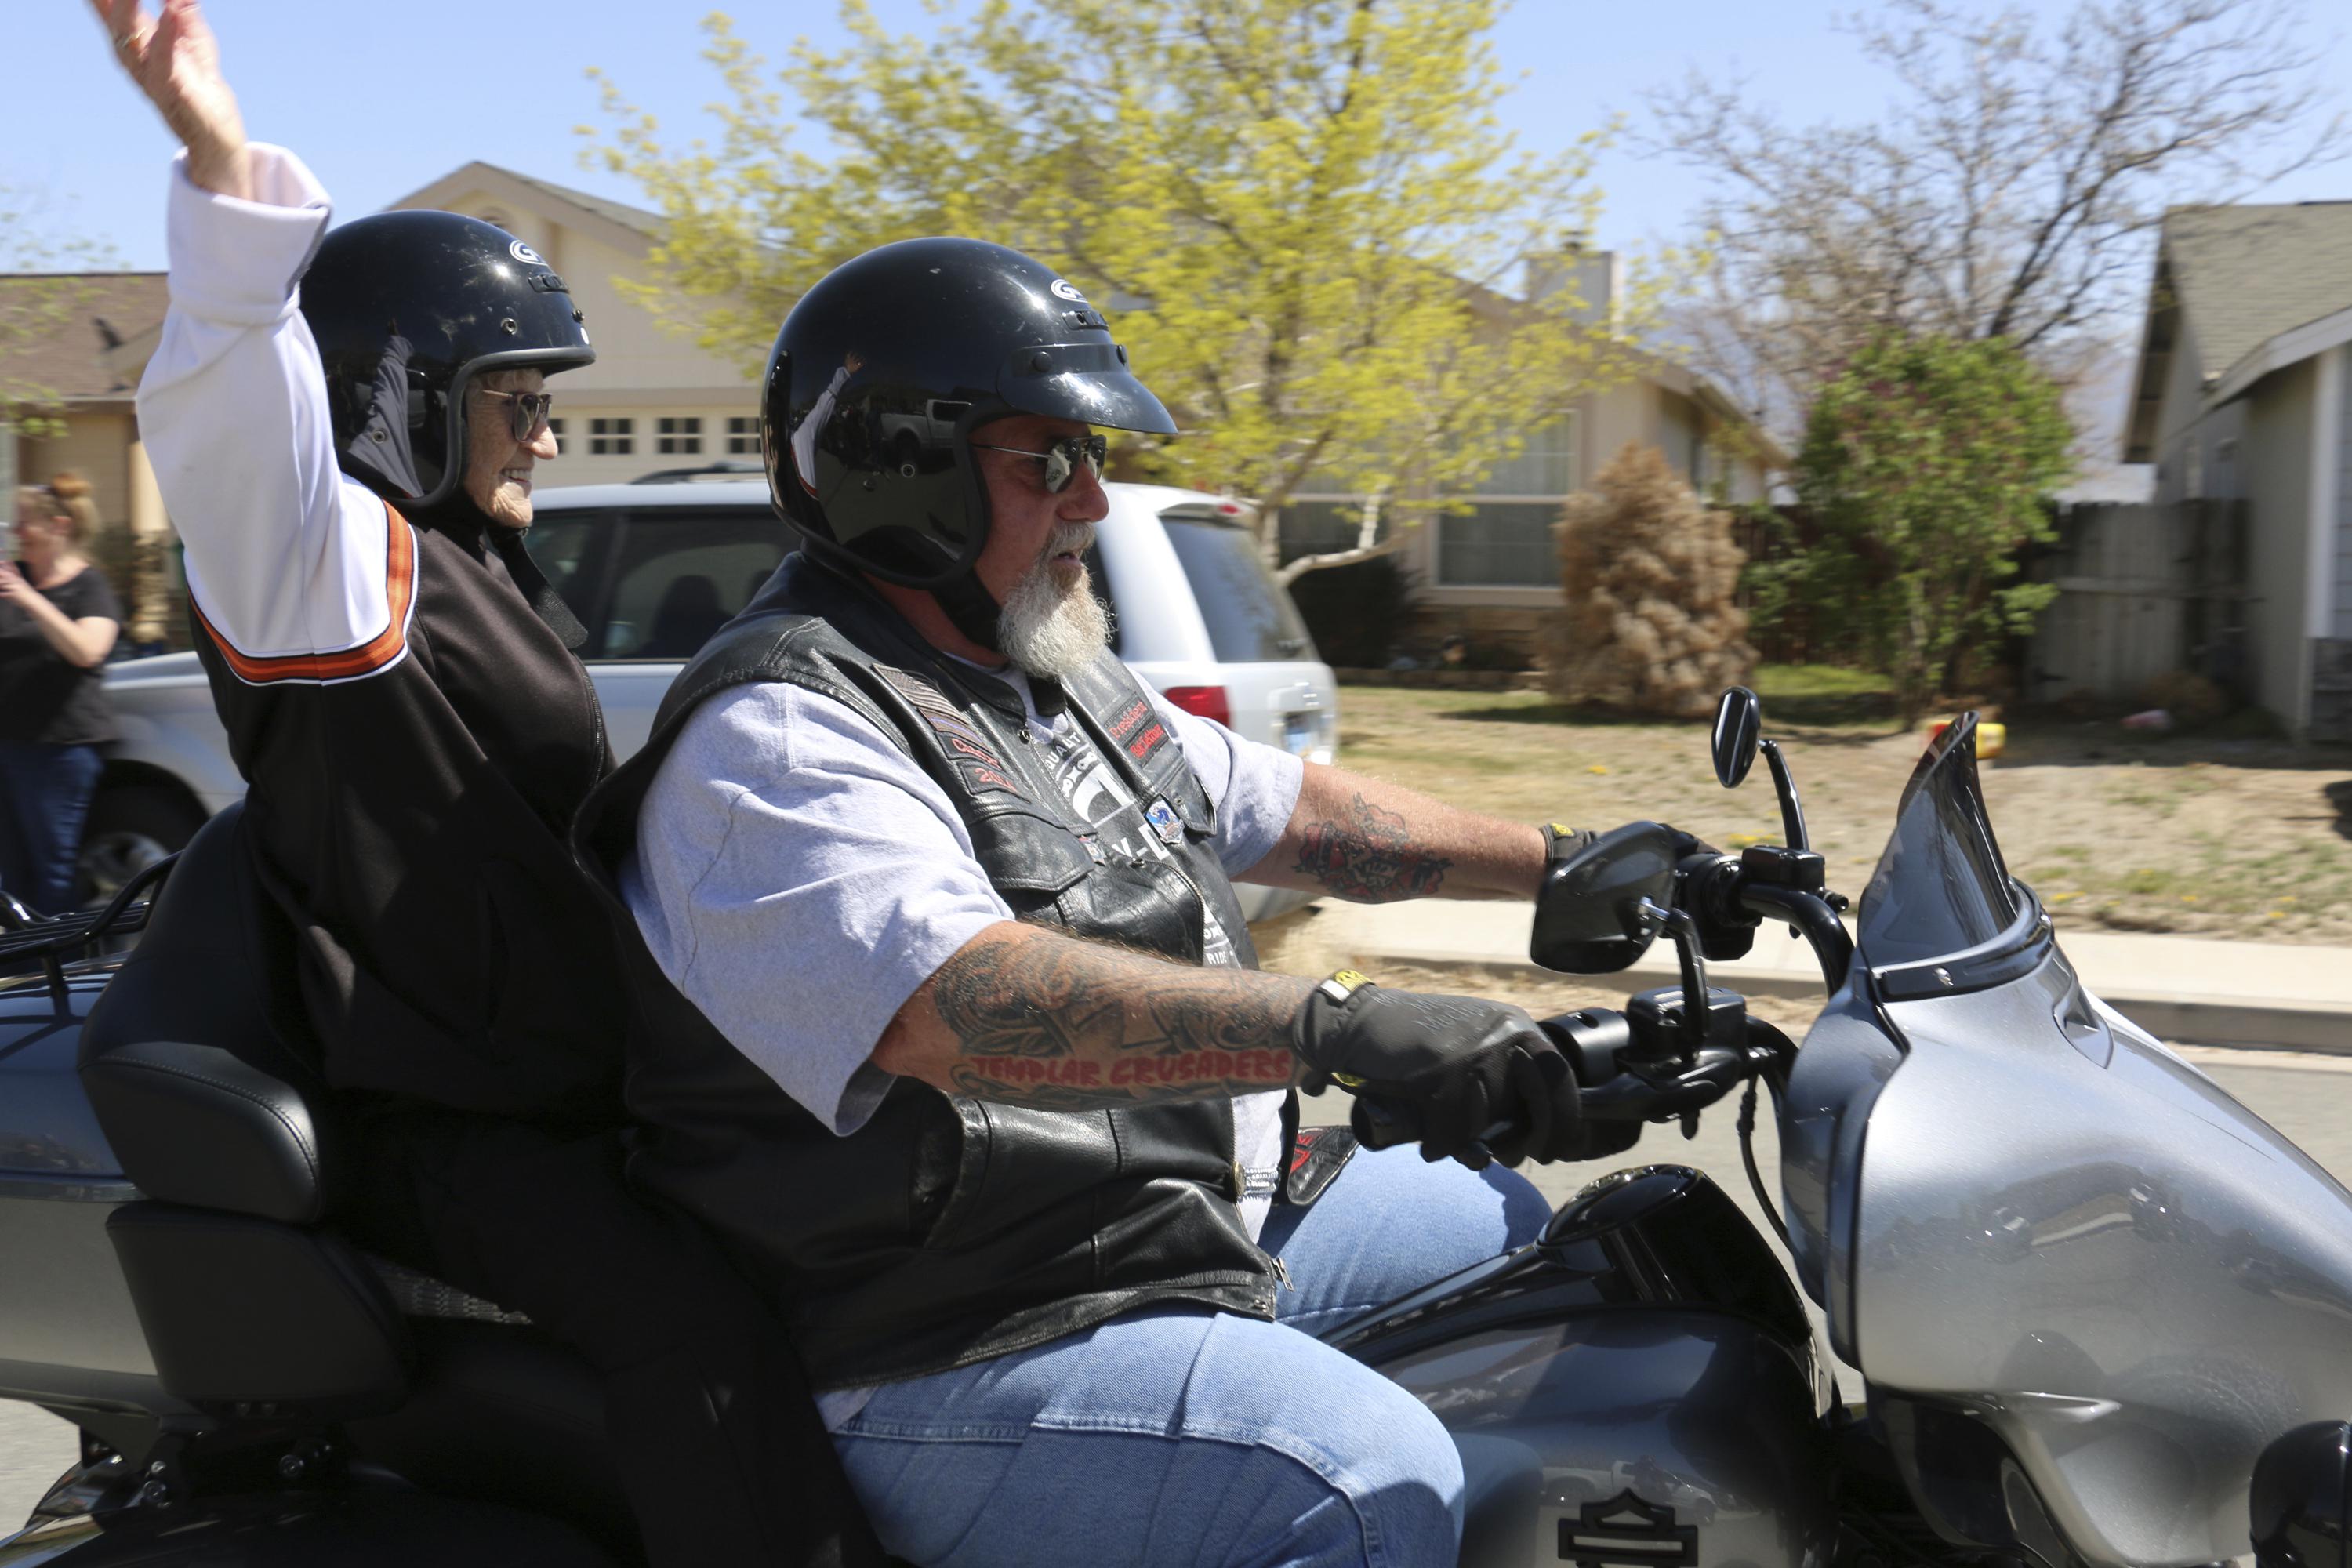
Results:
972 607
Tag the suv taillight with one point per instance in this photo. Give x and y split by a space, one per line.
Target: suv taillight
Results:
1207 701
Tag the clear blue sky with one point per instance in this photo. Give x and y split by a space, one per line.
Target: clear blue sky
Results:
382 100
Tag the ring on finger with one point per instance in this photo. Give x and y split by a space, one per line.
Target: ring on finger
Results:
122 40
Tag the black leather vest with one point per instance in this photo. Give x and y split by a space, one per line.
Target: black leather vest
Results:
948 1230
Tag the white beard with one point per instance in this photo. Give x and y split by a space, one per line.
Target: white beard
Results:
1048 630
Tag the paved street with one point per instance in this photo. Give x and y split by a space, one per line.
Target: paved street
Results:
2308 1098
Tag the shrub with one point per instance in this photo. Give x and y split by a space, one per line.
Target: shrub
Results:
1925 467
1651 622
1358 614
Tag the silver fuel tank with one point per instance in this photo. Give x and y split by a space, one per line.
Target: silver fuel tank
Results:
1641 1385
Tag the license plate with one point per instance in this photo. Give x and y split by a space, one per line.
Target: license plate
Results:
1298 733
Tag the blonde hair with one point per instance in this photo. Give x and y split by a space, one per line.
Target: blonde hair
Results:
68 495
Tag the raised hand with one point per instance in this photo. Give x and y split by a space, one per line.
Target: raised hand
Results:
175 60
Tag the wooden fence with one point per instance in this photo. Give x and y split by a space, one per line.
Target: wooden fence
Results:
2143 591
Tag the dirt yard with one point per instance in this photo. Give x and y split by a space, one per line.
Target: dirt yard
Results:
2248 839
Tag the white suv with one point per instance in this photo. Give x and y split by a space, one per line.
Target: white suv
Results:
652 568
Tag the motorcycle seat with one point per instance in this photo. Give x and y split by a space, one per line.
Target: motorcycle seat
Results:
199 1067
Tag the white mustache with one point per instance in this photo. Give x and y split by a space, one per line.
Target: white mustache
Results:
1073 538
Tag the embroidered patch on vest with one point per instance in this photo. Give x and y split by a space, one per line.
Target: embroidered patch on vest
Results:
1146 744
976 764
1129 720
1164 822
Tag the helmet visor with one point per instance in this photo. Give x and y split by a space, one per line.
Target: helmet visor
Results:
1089 382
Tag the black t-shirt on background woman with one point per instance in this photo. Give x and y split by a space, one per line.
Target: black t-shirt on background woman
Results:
45 698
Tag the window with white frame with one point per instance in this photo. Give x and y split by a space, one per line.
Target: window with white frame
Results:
555 428
1504 540
614 437
742 436
678 434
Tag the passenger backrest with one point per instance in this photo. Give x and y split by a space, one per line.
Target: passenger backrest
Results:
196 1058
202 1079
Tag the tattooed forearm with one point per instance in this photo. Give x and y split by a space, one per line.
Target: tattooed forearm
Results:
1367 856
1042 1019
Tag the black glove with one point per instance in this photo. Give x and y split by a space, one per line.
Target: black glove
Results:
1442 1070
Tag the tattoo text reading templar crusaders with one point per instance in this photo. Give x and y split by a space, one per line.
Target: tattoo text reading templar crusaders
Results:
1370 858
1063 1025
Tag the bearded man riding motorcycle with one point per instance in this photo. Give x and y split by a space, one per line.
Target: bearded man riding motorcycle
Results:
344 426
954 1031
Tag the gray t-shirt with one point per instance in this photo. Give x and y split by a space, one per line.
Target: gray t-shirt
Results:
797 877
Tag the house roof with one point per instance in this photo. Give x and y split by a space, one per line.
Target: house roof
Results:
90 351
491 176
2251 284
2246 274
627 216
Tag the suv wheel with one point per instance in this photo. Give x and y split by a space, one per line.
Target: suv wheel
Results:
130 827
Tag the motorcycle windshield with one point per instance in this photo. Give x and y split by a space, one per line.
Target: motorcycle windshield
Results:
1941 888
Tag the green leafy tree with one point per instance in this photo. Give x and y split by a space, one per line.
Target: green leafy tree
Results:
1301 214
1925 467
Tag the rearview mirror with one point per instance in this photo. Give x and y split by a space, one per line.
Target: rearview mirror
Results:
1587 914
1739 721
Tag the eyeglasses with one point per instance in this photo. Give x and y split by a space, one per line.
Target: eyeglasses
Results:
524 409
1063 457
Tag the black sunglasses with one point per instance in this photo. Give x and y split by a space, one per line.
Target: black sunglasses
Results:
524 409
1063 457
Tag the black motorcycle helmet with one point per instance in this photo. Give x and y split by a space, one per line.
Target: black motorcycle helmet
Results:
948 335
407 308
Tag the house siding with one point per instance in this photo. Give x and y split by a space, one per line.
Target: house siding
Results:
2276 464
2342 618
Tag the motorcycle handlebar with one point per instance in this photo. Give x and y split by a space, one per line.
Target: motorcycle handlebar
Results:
1812 916
1617 1084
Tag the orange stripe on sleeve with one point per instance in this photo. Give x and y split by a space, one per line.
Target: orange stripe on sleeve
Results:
377 652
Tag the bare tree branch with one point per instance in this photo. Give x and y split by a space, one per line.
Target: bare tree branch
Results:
2010 190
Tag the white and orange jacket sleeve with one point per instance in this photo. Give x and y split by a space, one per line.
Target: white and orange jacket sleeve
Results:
298 573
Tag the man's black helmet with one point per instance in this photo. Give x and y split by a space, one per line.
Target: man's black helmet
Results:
407 308
873 462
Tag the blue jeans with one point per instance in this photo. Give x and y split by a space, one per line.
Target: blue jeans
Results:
1179 1435
44 794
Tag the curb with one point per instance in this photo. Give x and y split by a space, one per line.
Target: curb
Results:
2232 1022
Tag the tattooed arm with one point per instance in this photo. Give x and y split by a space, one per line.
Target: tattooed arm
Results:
1034 1017
1374 842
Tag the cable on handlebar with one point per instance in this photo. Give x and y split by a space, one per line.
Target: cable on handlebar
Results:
1747 1158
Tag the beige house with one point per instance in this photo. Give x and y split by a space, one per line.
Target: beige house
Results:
653 400
2240 394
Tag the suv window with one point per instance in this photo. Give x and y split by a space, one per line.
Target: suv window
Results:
560 544
679 576
1250 619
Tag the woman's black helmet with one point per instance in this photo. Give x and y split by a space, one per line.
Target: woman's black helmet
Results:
407 308
884 368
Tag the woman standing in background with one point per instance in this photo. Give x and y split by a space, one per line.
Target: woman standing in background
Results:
59 620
